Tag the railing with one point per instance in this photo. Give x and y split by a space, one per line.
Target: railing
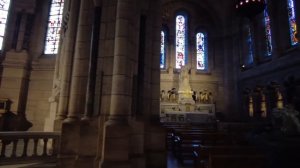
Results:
24 147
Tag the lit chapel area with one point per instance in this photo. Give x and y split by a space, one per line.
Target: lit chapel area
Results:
149 83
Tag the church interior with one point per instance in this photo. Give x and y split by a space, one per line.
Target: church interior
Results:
150 83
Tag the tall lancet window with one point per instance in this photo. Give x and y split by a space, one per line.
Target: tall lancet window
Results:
250 44
54 27
162 49
292 21
201 47
268 33
4 7
181 42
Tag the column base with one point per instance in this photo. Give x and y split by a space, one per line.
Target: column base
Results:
155 145
69 142
113 164
116 145
85 162
71 120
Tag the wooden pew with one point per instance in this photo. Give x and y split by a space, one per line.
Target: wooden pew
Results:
173 128
237 161
175 134
185 143
203 153
169 129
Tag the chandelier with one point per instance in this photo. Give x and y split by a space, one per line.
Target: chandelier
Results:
249 8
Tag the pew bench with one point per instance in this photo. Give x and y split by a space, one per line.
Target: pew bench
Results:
237 161
185 143
202 154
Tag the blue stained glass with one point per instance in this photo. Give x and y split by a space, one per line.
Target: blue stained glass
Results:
162 50
250 46
268 33
180 41
4 7
201 51
54 27
292 22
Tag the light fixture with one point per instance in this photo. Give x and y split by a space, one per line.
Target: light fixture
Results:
250 8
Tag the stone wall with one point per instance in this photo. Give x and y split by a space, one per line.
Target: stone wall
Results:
27 75
277 68
39 92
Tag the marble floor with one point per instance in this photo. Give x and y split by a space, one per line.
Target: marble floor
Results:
173 163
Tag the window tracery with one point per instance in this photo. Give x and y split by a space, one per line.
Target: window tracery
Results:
4 7
54 27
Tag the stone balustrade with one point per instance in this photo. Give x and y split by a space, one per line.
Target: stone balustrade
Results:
25 147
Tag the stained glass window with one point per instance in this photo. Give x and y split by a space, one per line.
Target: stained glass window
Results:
292 21
181 43
162 49
201 51
54 27
4 6
250 46
268 33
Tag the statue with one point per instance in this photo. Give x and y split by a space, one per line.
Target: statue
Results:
250 106
210 98
263 106
55 91
185 92
184 80
279 103
204 97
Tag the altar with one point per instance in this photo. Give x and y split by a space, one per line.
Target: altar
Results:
197 113
184 105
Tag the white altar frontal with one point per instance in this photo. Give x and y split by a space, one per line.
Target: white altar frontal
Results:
187 113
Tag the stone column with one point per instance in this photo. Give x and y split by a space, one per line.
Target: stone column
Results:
155 134
274 30
116 134
90 91
66 60
78 139
80 64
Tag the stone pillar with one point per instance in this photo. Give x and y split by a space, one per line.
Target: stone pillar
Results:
155 134
79 138
90 91
274 30
66 60
117 130
80 64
